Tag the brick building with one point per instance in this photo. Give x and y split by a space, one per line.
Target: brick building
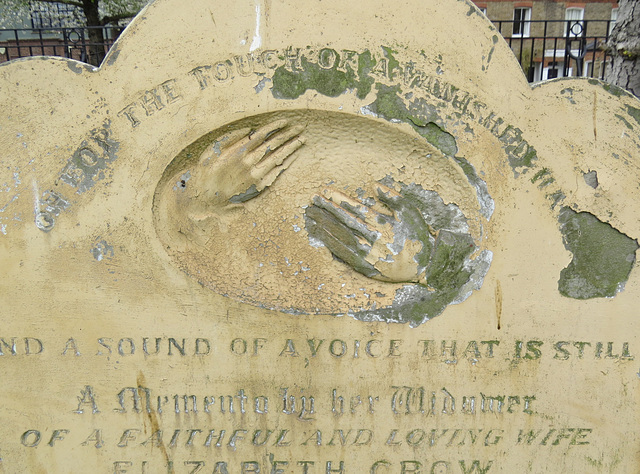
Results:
555 38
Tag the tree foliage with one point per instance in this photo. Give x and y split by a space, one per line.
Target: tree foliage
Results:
85 13
94 14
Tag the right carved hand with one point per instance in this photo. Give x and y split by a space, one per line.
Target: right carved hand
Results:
378 238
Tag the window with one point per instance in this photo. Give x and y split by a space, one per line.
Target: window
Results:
587 70
483 10
614 18
574 25
554 70
521 22
55 15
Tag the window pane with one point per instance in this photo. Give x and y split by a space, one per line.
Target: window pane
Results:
574 17
614 18
521 19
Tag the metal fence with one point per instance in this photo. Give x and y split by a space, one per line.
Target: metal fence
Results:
86 44
545 49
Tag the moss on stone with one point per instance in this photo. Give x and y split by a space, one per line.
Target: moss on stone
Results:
291 84
540 174
635 113
390 106
602 256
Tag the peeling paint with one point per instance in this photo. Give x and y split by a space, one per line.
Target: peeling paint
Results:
634 112
332 82
390 106
261 84
113 54
591 178
602 256
75 67
181 184
257 39
624 121
102 250
47 207
441 266
90 160
568 94
610 88
7 204
485 201
556 198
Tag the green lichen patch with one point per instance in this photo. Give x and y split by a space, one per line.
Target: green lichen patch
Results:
624 121
543 173
556 198
438 137
635 113
332 82
543 177
610 88
602 256
393 62
333 228
446 273
521 157
390 106
450 272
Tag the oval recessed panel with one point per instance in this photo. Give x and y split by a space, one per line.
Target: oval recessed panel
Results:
319 212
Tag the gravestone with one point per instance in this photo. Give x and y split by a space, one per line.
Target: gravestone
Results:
316 237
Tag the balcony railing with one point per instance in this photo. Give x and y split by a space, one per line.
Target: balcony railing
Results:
86 44
545 49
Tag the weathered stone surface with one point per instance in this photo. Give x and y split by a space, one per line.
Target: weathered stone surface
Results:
314 237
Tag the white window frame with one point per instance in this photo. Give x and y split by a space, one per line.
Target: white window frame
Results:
522 19
574 16
614 18
483 10
558 66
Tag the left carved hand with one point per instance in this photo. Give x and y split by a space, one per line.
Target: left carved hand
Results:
236 169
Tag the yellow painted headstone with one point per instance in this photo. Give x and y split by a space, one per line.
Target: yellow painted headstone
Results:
315 237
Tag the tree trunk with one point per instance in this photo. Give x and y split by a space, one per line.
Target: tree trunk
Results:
624 47
96 36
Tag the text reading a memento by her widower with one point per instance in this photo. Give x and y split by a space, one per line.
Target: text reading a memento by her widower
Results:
229 433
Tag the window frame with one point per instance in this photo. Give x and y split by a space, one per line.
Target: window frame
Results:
613 19
558 68
570 21
523 23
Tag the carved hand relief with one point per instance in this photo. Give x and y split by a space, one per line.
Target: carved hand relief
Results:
325 213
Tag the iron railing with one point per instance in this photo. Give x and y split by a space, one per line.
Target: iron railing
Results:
86 44
547 49
544 48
